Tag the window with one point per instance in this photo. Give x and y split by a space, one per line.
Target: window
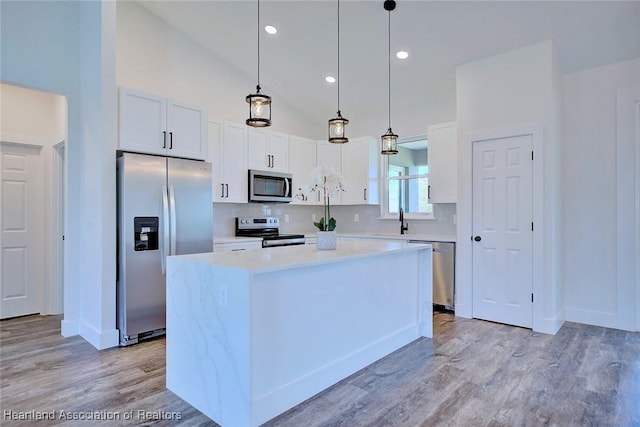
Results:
407 181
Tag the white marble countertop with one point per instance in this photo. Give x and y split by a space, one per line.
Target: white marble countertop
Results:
406 237
287 257
381 236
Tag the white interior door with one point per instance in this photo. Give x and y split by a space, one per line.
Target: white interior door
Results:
21 230
502 230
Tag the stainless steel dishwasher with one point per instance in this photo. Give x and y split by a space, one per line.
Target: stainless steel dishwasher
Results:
444 256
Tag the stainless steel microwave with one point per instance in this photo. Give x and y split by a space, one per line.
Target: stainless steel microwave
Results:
267 186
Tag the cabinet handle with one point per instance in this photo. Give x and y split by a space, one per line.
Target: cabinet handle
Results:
428 192
227 187
273 161
170 140
164 139
365 194
221 190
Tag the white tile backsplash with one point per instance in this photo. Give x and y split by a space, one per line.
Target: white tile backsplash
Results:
300 218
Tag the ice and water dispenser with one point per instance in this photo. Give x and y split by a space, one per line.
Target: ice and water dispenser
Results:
145 230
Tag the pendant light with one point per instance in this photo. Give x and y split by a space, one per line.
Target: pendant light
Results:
259 103
389 139
337 134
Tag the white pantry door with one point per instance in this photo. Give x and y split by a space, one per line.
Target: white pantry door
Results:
502 230
21 230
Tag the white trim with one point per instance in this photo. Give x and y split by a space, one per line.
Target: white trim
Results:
637 210
38 252
464 295
57 228
14 138
628 208
98 339
593 317
69 328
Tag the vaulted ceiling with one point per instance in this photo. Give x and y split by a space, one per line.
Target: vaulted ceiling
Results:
437 34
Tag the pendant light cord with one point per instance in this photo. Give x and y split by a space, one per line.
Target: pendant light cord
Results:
389 56
338 56
258 44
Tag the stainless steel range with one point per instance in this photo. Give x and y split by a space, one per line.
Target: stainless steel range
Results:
268 228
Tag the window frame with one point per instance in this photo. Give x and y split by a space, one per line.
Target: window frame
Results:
384 205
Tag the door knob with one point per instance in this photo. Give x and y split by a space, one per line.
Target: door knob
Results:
477 238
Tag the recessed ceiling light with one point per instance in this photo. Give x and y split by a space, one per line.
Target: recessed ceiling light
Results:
271 29
330 79
402 54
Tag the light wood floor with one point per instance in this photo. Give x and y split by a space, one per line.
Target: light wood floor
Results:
473 373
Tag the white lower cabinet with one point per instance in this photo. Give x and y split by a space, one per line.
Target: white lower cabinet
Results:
236 246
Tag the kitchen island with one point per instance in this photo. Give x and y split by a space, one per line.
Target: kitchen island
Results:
253 333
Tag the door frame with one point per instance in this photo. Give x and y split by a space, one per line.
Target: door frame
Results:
638 210
53 183
628 202
58 201
464 266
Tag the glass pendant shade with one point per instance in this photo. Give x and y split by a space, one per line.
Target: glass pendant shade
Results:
259 109
337 131
389 143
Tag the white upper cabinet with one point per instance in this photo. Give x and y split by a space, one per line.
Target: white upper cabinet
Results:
187 131
268 150
228 145
156 125
279 150
443 162
330 155
360 167
302 160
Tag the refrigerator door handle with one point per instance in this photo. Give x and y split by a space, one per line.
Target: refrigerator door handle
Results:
165 228
172 221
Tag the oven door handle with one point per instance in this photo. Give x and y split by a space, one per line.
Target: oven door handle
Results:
266 243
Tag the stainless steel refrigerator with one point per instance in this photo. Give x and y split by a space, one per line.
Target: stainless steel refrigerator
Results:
164 208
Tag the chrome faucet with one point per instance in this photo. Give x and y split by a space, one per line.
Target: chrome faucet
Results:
403 227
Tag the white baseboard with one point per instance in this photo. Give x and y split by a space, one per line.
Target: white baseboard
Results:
99 339
595 318
69 328
549 325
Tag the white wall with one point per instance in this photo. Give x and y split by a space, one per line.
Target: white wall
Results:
38 118
154 57
57 46
513 91
594 291
31 115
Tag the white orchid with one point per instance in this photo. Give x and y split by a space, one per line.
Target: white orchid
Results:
329 182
